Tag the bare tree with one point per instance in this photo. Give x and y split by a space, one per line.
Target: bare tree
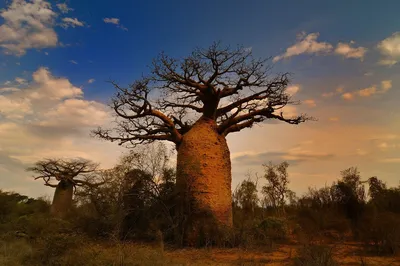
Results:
65 175
195 103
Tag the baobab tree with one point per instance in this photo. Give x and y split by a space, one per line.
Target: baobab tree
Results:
64 176
195 102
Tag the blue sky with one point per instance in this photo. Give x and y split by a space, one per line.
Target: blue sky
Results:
343 55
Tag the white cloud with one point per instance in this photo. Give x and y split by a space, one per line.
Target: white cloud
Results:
14 109
76 112
73 62
349 52
307 44
390 49
64 8
90 81
115 21
71 22
7 82
20 80
27 25
48 86
49 118
111 20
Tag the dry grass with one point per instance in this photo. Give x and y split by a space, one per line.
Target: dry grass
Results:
21 252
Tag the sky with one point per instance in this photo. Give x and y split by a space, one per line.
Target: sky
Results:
56 58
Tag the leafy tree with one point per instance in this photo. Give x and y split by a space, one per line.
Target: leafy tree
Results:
195 103
245 196
376 187
276 190
136 197
349 195
65 175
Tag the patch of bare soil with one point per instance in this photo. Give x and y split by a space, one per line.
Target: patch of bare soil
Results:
345 254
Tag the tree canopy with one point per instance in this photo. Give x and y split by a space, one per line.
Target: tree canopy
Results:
228 86
79 172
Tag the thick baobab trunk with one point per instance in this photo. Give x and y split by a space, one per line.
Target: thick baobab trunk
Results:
62 200
204 180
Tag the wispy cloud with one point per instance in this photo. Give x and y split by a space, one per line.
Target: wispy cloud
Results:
306 44
385 86
338 90
90 81
20 80
115 21
347 51
73 62
391 160
310 103
64 8
71 22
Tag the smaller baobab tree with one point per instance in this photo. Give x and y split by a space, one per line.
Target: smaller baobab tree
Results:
65 176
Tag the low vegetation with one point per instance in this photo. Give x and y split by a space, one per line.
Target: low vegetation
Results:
131 219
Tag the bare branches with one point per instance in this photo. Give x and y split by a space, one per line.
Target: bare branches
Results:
193 87
141 123
79 172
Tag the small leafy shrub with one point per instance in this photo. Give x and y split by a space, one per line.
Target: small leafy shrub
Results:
274 228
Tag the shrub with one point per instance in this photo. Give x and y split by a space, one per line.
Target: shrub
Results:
381 233
274 228
315 255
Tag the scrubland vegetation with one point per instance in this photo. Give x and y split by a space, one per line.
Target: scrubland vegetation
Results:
131 219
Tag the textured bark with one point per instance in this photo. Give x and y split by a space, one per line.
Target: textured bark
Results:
62 200
204 179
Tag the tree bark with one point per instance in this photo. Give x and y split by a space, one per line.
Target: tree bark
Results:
204 180
62 200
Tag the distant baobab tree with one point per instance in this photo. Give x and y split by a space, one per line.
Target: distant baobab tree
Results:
195 102
64 175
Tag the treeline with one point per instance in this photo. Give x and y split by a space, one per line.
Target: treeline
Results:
351 208
137 201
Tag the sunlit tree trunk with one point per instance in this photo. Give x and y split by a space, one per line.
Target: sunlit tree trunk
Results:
204 179
62 200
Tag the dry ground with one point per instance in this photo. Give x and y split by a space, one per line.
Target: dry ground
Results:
345 254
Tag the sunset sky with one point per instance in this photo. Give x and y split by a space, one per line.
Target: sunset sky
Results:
55 59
